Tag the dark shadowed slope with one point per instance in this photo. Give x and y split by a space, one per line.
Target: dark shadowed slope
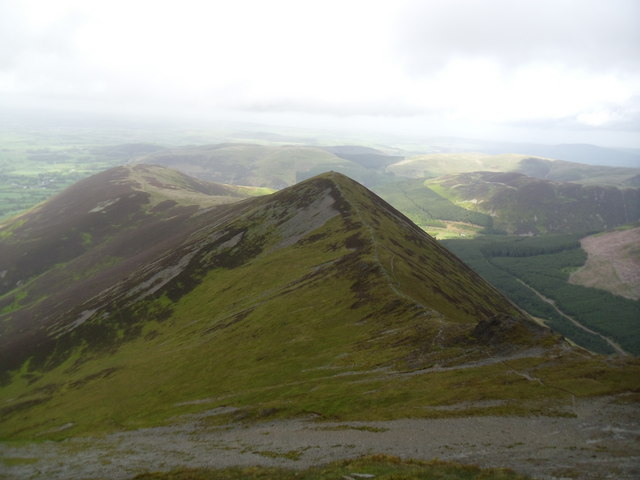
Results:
320 299
90 237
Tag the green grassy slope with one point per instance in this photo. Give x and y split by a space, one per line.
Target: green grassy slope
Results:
320 299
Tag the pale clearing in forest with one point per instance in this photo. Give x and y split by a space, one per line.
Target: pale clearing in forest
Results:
613 263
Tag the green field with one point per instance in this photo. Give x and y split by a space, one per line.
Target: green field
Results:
30 174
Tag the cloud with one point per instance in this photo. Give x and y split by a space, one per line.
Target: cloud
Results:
583 34
460 61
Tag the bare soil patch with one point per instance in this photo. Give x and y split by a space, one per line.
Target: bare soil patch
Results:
613 263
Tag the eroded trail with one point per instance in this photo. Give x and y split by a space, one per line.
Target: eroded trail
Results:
602 441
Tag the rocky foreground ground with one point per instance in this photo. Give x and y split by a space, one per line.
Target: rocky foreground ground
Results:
602 441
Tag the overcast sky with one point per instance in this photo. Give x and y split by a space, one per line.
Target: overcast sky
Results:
552 71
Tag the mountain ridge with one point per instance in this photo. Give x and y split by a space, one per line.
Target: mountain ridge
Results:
68 249
293 229
545 168
312 300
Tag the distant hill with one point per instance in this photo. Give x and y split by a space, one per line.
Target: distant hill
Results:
364 156
585 153
113 220
319 299
570 152
273 166
432 211
38 167
522 205
439 164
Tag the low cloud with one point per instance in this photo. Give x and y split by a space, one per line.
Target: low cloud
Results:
581 34
463 61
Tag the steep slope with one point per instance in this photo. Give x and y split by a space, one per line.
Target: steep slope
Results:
313 300
70 248
524 205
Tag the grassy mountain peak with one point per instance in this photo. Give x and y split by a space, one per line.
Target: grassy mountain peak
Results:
320 299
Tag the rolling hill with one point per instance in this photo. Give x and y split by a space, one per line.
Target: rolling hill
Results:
434 213
272 166
440 164
347 279
524 205
585 153
79 241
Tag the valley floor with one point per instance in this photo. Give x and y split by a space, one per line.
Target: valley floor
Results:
602 441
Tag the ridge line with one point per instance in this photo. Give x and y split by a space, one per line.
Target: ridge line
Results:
391 281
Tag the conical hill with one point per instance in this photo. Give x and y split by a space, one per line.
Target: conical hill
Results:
320 299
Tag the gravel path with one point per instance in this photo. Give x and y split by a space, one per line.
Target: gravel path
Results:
602 442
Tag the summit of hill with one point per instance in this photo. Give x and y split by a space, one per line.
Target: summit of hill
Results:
160 297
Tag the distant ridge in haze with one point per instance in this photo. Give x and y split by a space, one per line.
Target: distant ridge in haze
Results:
571 152
274 166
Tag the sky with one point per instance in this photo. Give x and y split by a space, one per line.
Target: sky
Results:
548 71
